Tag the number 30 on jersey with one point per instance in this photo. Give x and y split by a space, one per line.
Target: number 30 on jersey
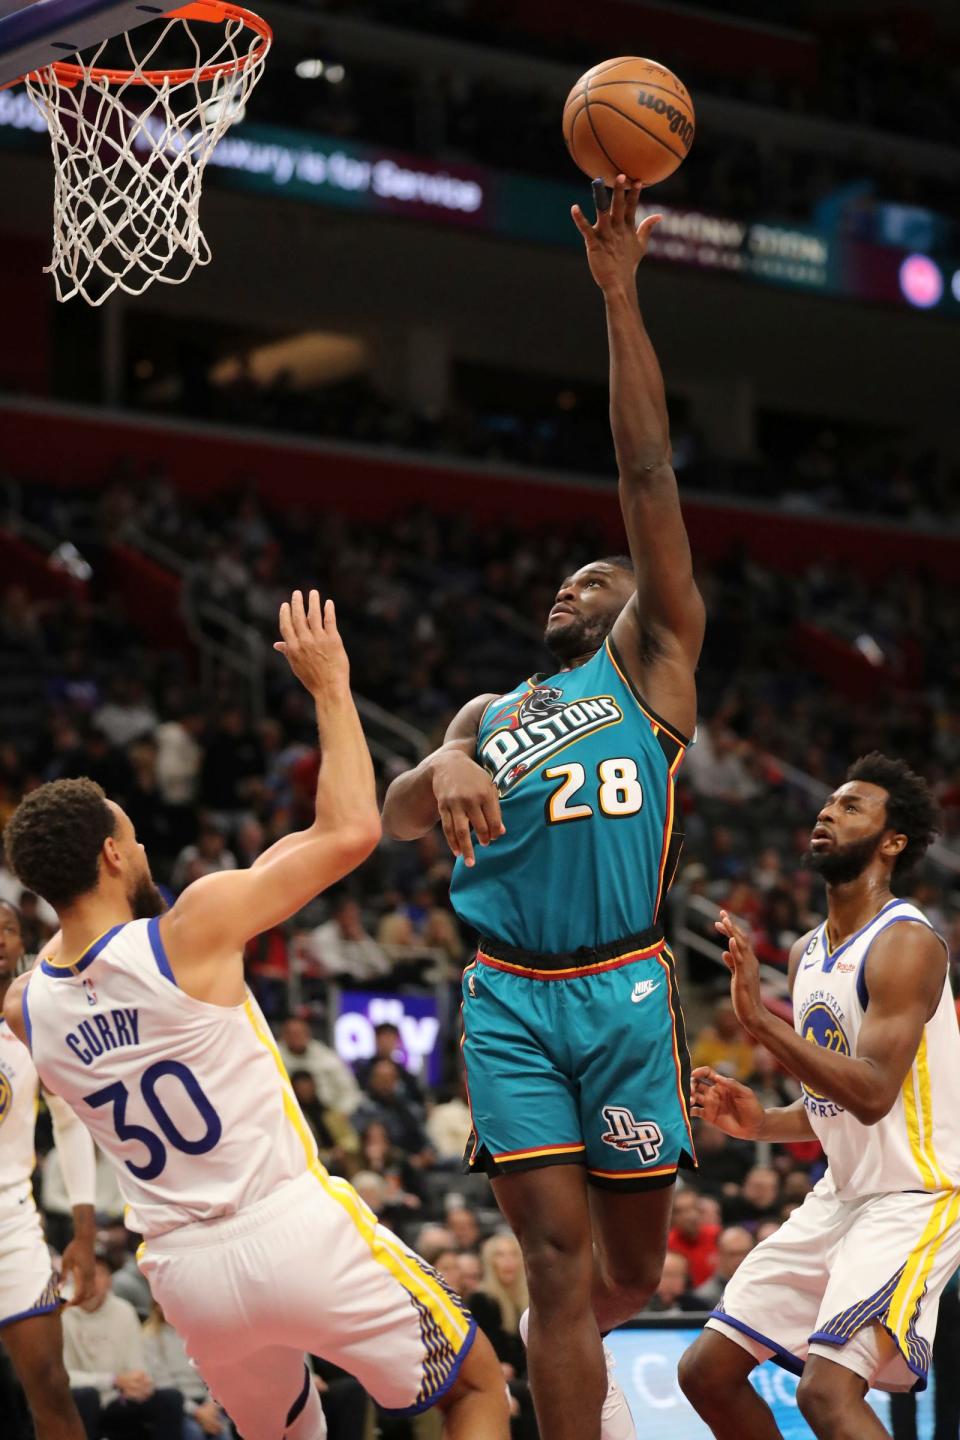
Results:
618 791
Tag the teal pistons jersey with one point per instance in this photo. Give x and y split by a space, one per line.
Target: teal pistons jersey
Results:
585 774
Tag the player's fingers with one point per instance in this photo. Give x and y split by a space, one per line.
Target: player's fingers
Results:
601 198
330 617
449 830
461 826
647 227
279 645
491 809
478 822
286 622
619 201
298 615
314 612
631 202
581 221
729 961
705 1075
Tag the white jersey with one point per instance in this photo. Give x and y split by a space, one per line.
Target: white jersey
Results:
189 1100
19 1088
917 1145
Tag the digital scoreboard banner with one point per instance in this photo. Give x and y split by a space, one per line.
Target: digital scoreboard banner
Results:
297 165
647 1360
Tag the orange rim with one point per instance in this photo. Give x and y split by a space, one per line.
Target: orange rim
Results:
210 11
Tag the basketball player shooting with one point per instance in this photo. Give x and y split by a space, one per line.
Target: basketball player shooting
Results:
846 1293
143 1024
557 800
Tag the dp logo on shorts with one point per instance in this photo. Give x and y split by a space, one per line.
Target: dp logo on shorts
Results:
626 1133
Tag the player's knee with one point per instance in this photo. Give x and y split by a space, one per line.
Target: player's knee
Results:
559 1270
631 1288
44 1379
704 1378
819 1404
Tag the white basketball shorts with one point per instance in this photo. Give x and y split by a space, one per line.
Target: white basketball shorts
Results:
838 1269
307 1269
27 1283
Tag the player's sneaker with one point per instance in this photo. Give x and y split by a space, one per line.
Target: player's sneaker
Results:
616 1422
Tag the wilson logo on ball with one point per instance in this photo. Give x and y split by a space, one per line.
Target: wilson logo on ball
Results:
676 119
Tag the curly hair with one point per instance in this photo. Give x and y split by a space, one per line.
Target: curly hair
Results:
54 837
911 808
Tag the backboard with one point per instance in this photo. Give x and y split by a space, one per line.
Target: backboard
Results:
34 33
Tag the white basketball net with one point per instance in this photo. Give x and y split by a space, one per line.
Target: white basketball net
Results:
129 157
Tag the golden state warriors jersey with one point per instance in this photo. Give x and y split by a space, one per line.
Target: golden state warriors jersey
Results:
585 773
19 1088
190 1101
917 1145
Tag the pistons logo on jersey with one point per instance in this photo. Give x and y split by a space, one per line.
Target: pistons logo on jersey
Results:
531 727
822 1024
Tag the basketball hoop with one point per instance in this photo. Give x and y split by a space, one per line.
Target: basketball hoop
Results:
130 147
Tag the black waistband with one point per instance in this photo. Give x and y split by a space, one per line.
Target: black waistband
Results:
572 959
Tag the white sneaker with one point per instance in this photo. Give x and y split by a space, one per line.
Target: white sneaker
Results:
616 1422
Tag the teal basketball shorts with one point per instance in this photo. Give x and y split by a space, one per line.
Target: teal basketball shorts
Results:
578 1059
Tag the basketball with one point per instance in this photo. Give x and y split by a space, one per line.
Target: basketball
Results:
630 117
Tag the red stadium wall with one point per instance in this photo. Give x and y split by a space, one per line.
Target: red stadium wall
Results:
84 448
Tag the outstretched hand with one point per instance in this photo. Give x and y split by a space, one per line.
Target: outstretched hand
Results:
616 242
312 645
741 960
724 1102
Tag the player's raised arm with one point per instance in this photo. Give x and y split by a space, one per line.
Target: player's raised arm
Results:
905 976
667 618
448 786
216 915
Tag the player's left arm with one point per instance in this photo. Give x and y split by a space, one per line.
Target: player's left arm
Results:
660 632
78 1165
905 973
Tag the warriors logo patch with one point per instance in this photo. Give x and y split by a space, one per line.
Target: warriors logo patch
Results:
531 727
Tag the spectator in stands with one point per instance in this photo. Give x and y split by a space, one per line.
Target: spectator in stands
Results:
471 1274
386 1041
169 1365
127 1281
337 1141
691 1238
759 1198
233 755
104 1354
449 1123
447 1265
299 1050
127 713
423 923
672 1296
208 856
431 1240
179 757
723 1045
342 947
723 1162
404 1185
733 1246
466 1227
497 1306
387 1103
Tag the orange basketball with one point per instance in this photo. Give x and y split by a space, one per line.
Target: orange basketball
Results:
628 117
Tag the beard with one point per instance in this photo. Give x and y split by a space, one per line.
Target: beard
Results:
844 862
146 902
577 637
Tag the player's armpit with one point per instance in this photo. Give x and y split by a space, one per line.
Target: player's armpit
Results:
218 914
13 1007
